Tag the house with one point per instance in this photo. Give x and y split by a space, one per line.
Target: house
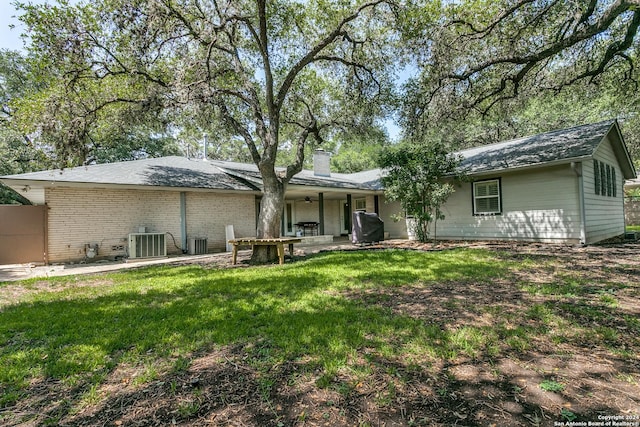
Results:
92 211
561 186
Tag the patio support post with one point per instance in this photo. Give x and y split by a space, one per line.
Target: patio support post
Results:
321 213
350 212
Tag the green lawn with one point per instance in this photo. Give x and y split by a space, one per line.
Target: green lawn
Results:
633 228
157 315
322 314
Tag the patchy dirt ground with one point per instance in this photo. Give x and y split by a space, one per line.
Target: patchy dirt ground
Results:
589 376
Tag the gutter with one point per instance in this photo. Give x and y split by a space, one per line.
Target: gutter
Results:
17 183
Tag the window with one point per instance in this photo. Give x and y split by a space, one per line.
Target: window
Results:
361 204
613 182
486 197
604 179
596 174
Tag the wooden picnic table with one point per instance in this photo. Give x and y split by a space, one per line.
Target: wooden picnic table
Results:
278 243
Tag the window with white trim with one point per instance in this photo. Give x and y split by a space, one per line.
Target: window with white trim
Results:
604 179
361 204
487 197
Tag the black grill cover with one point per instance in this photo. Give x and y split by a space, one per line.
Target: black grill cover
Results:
367 228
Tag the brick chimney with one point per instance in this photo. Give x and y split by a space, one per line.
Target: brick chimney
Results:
321 161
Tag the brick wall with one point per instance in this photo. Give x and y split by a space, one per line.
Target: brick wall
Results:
105 217
632 212
208 214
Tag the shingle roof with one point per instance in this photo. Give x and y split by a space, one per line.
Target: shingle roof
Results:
578 142
564 145
368 180
170 171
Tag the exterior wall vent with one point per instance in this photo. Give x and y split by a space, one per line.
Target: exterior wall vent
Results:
197 246
147 245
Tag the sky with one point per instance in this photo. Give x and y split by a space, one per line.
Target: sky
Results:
9 38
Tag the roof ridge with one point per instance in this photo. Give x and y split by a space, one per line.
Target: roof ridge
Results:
536 135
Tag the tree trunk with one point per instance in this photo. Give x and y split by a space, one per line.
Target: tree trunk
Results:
269 219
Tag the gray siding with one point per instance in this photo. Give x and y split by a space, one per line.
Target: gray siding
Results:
604 216
537 205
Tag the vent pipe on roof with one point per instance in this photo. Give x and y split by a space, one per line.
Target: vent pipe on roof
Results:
321 161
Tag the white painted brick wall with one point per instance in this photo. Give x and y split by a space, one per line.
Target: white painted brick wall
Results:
106 217
208 214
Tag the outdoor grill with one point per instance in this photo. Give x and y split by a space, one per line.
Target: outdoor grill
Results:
367 228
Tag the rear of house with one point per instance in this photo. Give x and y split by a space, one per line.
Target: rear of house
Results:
543 188
562 186
536 205
92 211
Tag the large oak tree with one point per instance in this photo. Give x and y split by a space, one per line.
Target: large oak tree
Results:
484 53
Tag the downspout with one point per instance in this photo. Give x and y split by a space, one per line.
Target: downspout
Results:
183 220
577 169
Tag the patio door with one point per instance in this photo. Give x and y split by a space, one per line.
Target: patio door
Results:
288 219
345 214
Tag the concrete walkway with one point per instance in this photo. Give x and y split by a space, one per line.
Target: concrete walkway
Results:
9 273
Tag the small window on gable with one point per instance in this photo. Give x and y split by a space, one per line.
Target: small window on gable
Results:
609 183
596 175
603 180
486 197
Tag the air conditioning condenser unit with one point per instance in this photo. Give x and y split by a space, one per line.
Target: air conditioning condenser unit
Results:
147 245
197 246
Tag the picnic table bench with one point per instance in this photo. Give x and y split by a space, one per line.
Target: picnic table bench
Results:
278 243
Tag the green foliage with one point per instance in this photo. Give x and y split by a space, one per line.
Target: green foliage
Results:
421 176
39 114
359 150
537 112
550 385
19 152
246 80
278 76
568 415
492 71
482 53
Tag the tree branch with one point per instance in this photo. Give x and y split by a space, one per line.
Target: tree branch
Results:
314 51
241 130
